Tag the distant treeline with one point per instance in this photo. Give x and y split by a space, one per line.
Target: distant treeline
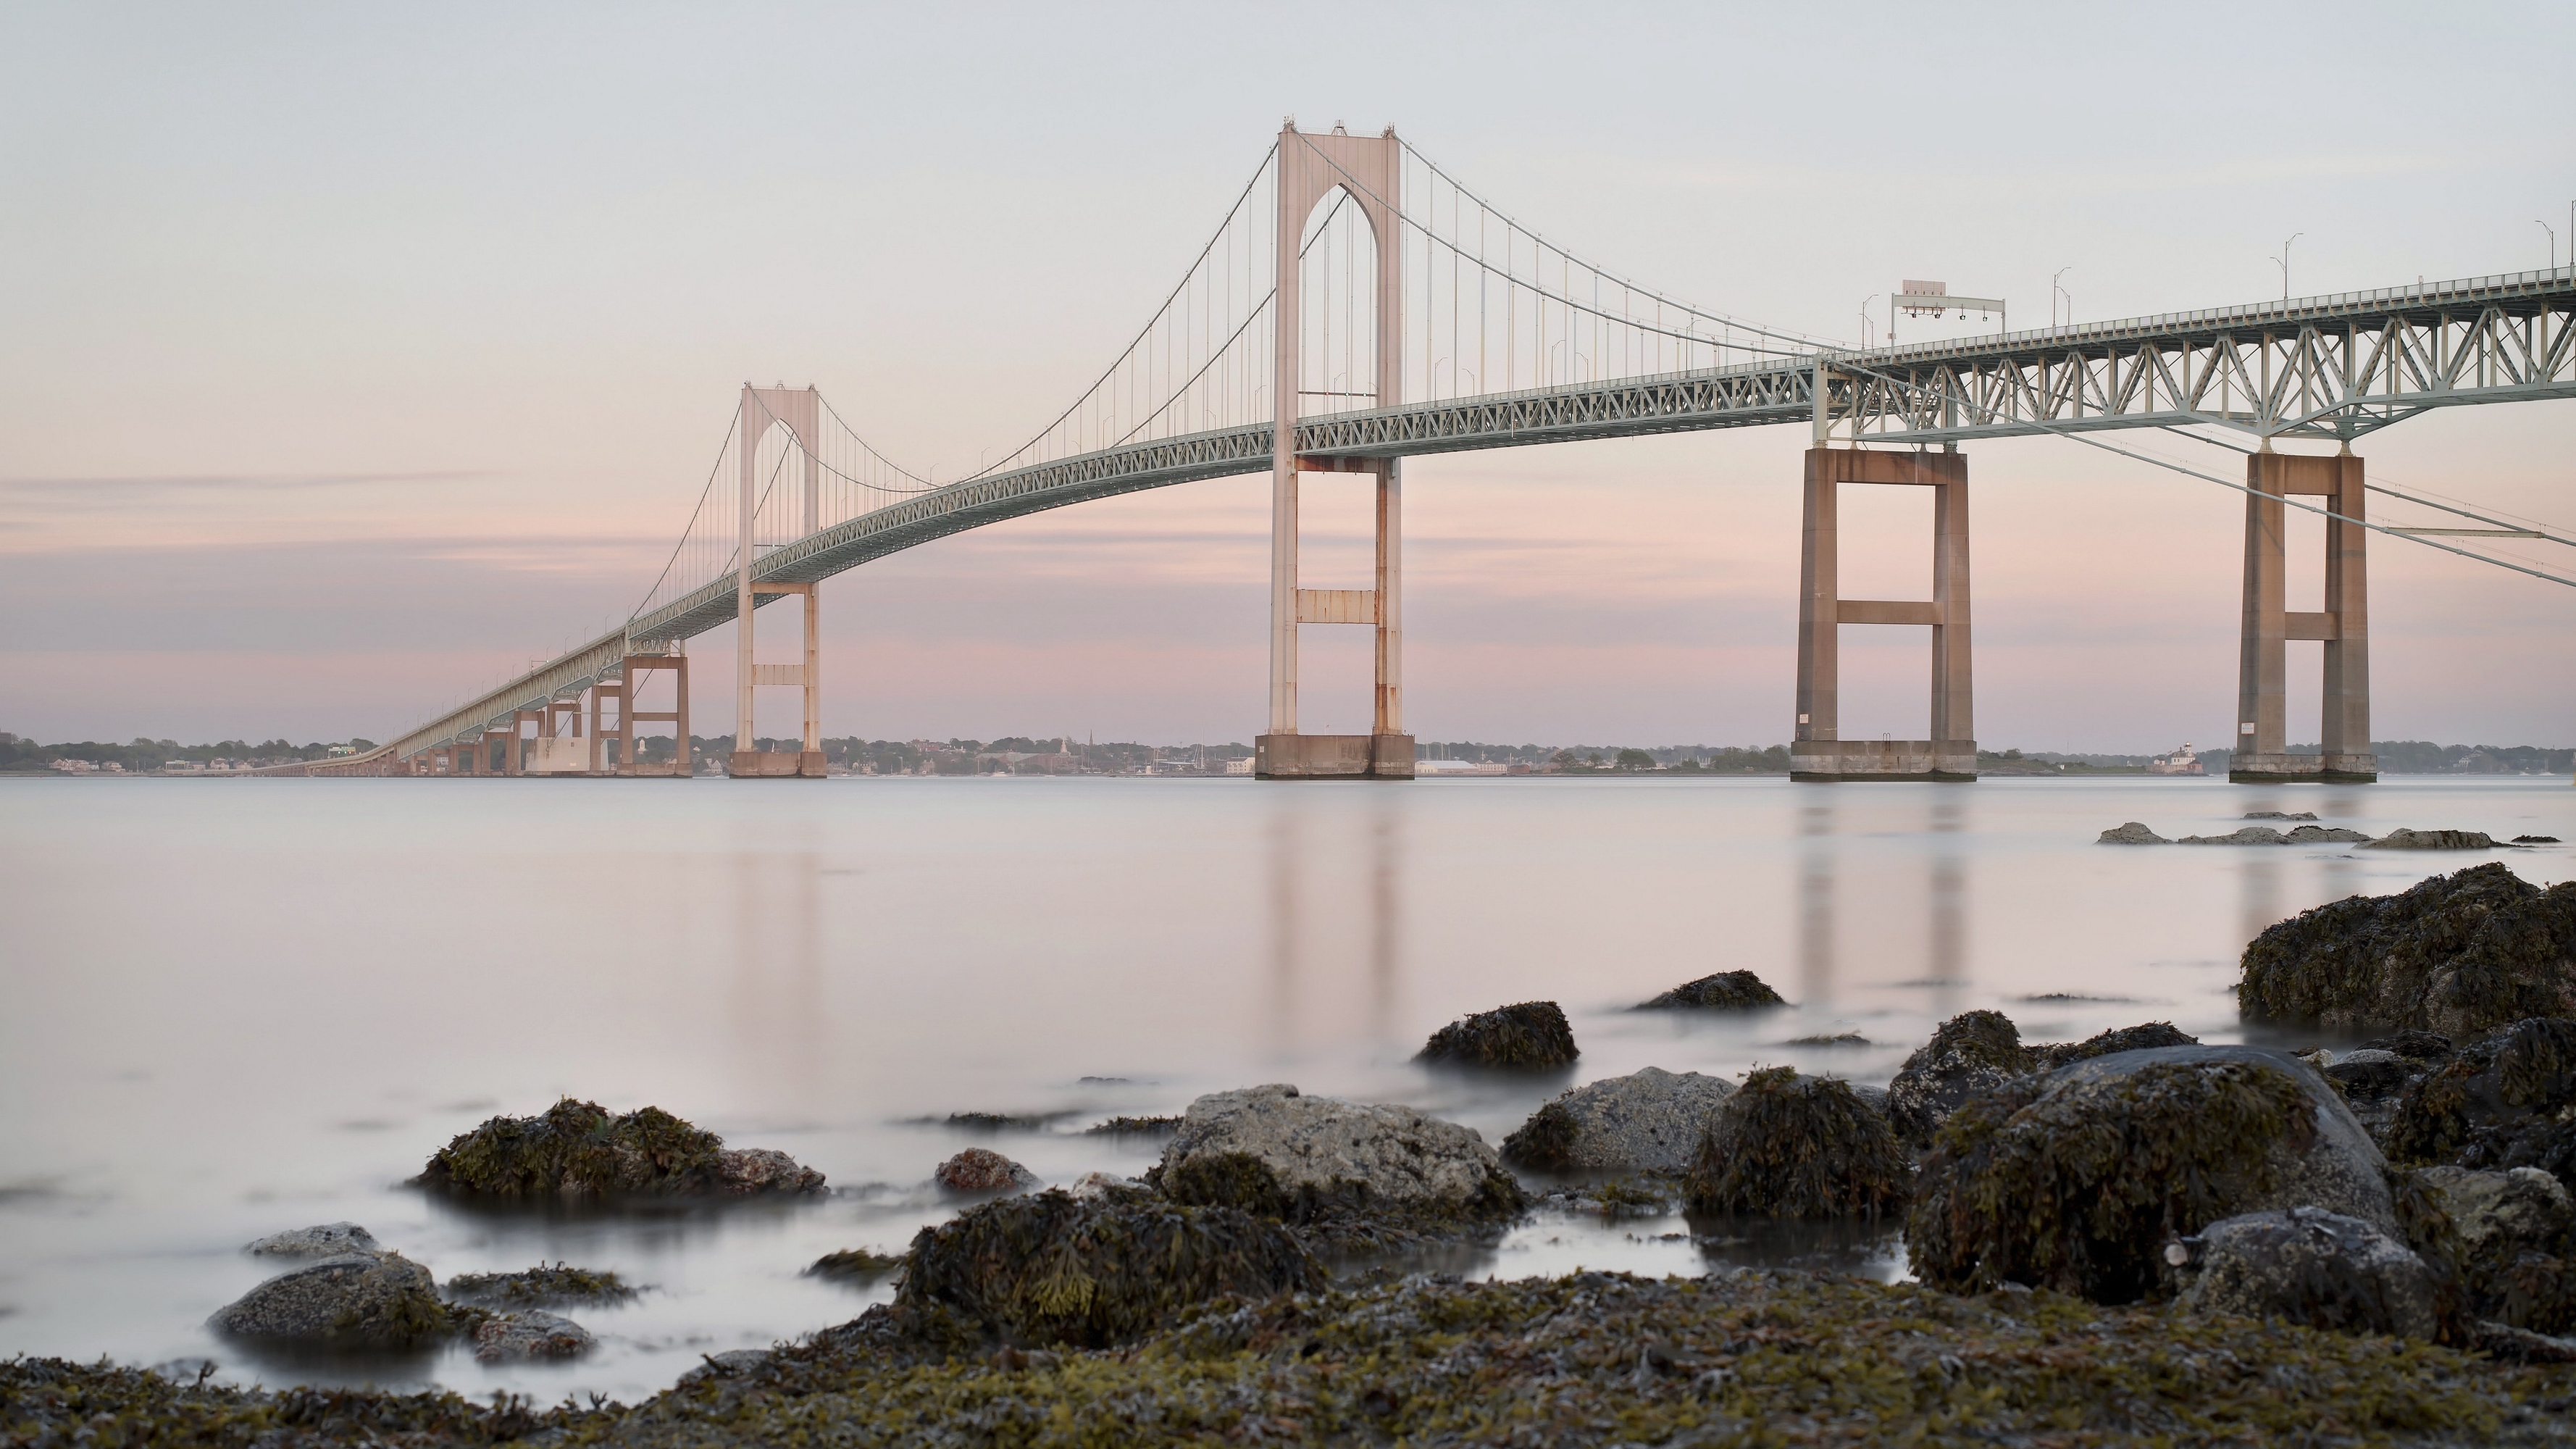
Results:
2396 757
144 756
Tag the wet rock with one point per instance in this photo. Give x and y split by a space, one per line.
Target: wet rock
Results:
378 1300
1052 1269
1106 1185
2460 955
581 1149
330 1240
733 1363
2310 1267
2512 1235
1725 991
2504 1102
2278 815
2133 832
1970 1055
2535 840
1532 1034
542 1286
2243 835
1273 1150
2404 839
853 1265
2369 1074
980 1169
2076 1180
748 1170
2323 835
1001 1121
530 1334
1796 1146
1647 1120
2416 1048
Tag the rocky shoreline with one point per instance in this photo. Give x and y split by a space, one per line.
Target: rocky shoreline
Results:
2131 1238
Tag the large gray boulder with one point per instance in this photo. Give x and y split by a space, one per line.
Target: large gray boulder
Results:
2500 1214
1651 1120
329 1240
376 1299
1322 1148
2404 839
2132 832
2306 1266
530 1333
1969 1056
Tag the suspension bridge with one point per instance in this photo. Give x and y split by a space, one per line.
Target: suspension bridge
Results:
1358 306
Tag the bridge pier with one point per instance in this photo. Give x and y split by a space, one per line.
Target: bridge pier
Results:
799 411
1817 751
2343 625
1311 169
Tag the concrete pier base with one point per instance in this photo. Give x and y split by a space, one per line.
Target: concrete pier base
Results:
1825 761
775 765
1333 757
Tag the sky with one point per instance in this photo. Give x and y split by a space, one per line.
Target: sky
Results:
354 357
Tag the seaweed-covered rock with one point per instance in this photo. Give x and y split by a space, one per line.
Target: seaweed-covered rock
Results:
1648 1120
2404 839
1801 1147
1052 1269
581 1149
530 1333
1531 1034
2512 1235
543 1286
1273 1150
1725 991
2076 1180
854 1265
2131 832
1134 1127
2278 815
2461 955
1970 1055
980 1169
745 1171
2498 1104
330 1240
2416 1048
373 1300
2307 1266
2052 1055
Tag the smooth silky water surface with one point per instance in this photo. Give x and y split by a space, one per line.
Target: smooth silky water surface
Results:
232 1007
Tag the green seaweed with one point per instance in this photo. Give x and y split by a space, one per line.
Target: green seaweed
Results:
2103 1044
2461 954
1134 1127
1339 1217
1544 1143
1724 991
854 1265
1051 1269
1801 1147
2077 1186
1525 1036
542 1286
578 1148
2496 1104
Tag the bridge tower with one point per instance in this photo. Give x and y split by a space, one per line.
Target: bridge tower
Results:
1817 750
1311 169
799 410
2344 625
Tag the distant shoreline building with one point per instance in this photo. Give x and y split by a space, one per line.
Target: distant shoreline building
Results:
2180 762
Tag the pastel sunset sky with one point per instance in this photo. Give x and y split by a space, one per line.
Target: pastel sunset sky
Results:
353 357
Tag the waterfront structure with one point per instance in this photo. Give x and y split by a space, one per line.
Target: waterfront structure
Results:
1358 306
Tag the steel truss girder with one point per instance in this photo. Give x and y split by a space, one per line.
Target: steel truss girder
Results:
2332 367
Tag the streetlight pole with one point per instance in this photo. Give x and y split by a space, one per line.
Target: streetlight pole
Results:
2283 260
2052 297
2553 241
1868 324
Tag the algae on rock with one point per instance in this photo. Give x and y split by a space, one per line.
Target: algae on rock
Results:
1054 1269
2461 955
543 1286
1724 991
1531 1035
581 1149
2076 1181
1801 1147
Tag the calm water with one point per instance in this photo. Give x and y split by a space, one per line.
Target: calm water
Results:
229 1008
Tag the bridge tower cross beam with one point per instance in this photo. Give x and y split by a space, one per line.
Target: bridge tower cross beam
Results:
799 411
1370 169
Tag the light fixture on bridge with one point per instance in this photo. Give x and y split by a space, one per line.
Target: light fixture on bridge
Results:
1915 299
